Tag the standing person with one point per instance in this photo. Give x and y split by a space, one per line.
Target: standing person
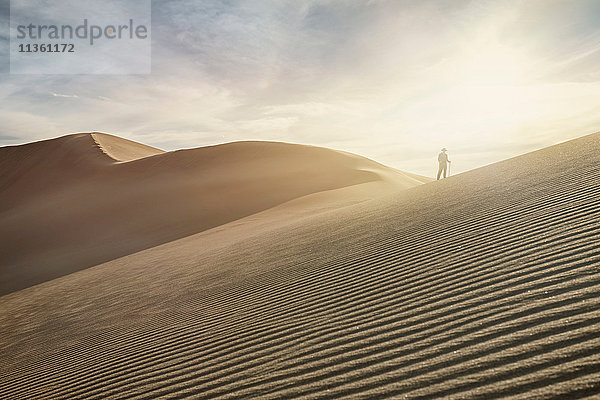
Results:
443 163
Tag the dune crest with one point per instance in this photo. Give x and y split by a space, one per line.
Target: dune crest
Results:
123 150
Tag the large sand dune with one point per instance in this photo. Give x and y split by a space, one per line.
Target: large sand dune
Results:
483 285
80 200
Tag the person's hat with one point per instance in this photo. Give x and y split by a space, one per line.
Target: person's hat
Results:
444 149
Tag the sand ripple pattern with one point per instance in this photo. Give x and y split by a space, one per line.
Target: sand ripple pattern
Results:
497 300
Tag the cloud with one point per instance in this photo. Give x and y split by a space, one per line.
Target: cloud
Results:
74 96
392 80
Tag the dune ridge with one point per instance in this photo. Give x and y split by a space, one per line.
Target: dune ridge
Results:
122 150
79 200
482 285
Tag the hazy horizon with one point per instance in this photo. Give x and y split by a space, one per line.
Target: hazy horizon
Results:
393 81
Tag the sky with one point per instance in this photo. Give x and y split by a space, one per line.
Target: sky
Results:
391 80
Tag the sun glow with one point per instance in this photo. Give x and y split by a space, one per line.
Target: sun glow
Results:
485 92
495 64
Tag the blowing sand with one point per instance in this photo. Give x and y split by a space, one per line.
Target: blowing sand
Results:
80 200
486 284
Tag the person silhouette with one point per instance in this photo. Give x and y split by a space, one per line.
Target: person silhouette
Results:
443 163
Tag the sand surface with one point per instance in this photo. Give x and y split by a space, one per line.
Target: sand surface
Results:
483 285
80 200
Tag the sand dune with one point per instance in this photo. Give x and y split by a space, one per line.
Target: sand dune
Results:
80 200
483 285
123 150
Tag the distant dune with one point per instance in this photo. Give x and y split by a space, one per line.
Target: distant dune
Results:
482 285
123 150
80 200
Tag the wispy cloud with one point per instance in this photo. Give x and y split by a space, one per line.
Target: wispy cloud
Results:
73 96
